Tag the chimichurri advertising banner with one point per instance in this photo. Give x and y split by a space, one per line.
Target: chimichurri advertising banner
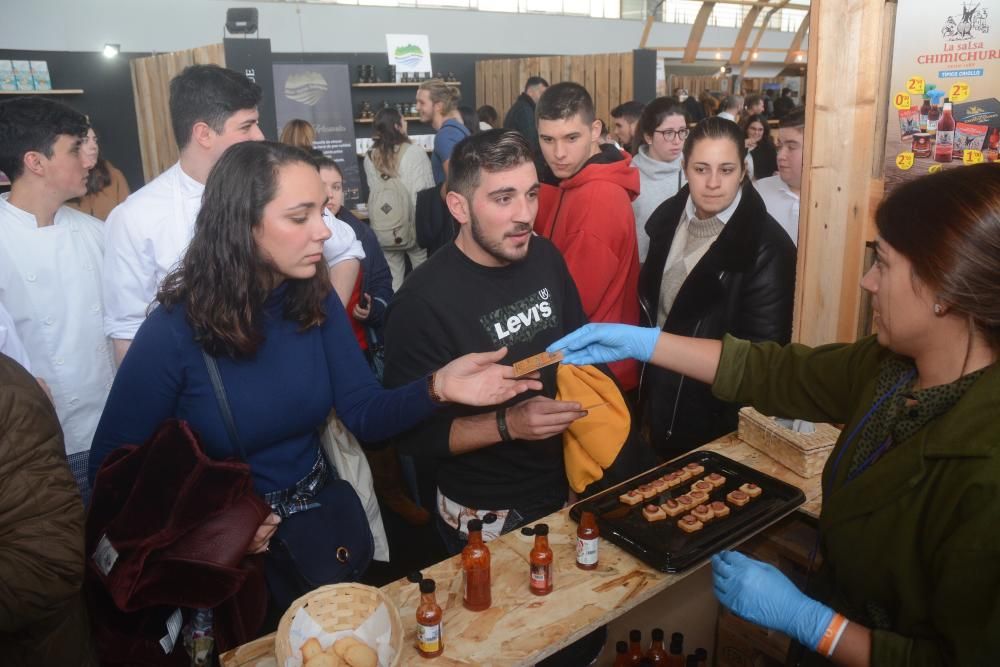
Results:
944 111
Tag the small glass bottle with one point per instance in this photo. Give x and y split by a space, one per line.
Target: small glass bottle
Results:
540 558
588 539
676 656
635 652
925 109
476 567
702 656
945 140
622 658
657 654
430 643
692 661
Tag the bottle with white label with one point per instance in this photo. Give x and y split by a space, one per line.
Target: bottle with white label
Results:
429 640
945 138
587 540
540 559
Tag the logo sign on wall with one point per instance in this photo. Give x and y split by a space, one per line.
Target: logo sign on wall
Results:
321 94
409 53
945 84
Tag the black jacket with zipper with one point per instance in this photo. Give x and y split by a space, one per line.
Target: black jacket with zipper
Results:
744 286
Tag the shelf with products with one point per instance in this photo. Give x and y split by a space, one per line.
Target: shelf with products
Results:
401 84
55 91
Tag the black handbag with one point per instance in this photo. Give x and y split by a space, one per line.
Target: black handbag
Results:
324 536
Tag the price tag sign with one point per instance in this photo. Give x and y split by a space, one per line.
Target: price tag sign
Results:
904 160
901 101
933 169
915 85
958 92
972 156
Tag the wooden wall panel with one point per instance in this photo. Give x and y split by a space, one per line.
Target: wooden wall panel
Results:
151 89
607 76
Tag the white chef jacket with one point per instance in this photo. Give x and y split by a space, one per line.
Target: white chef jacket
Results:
147 235
10 343
50 282
781 203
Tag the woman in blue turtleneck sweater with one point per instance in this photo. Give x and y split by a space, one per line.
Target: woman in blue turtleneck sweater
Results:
249 293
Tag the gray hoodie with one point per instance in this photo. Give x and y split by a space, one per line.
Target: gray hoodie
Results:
658 182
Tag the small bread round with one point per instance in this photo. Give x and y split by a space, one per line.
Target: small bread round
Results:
690 524
751 489
659 485
631 498
738 498
698 497
715 479
311 648
702 485
683 475
673 479
361 655
685 501
342 645
694 469
703 513
647 491
653 513
323 660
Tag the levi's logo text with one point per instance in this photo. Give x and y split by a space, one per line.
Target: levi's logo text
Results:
520 321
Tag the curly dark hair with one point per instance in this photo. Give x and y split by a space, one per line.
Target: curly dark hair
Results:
223 280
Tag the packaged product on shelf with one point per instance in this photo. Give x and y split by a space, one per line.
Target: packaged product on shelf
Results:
968 137
909 122
40 74
7 80
22 74
979 112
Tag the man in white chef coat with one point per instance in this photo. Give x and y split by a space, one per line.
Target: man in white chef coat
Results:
211 109
50 266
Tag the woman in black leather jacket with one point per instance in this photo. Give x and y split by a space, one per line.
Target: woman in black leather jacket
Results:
717 264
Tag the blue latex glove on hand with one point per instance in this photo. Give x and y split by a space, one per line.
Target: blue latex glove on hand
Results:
604 343
760 593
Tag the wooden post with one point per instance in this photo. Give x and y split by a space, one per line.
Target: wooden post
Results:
845 92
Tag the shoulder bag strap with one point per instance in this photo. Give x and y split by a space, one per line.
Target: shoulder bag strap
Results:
220 396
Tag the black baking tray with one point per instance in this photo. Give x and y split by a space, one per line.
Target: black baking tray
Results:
666 547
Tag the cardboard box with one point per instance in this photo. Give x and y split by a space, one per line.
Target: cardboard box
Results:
743 644
22 74
979 112
40 75
7 80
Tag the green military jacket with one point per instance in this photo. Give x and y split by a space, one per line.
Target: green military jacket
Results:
911 547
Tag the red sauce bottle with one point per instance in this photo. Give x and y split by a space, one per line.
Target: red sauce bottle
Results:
676 656
635 653
476 567
657 654
429 641
540 558
588 539
945 138
622 659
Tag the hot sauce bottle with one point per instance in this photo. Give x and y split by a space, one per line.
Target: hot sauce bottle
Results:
476 567
657 654
676 656
540 559
635 646
944 143
429 640
588 538
622 659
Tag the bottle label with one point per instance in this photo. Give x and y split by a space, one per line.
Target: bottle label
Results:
541 576
945 137
586 551
931 126
429 637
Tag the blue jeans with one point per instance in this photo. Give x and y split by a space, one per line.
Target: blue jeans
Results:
529 512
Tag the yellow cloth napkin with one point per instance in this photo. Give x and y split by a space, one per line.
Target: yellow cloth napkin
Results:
591 444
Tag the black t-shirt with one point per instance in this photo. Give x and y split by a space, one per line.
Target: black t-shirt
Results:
452 306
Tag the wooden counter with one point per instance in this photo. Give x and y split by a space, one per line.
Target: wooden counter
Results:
520 628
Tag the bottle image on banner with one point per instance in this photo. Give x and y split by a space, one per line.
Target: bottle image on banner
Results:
945 139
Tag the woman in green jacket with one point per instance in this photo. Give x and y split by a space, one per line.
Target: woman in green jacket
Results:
910 528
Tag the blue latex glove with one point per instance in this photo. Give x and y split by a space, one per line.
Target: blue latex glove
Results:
604 343
760 593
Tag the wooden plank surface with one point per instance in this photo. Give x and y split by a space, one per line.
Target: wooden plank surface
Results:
615 80
602 102
520 628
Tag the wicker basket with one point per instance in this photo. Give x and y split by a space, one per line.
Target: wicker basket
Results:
803 453
339 607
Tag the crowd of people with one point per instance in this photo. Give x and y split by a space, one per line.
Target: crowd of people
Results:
237 292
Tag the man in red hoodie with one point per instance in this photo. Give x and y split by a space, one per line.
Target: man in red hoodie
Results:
585 209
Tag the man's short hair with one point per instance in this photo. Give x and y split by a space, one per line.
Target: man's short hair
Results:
729 102
786 91
535 81
752 101
34 124
565 100
630 110
208 94
794 118
490 151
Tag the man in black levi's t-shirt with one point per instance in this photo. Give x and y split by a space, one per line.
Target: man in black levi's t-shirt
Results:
496 286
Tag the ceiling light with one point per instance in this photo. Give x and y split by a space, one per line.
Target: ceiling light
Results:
755 54
112 50
718 55
799 57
